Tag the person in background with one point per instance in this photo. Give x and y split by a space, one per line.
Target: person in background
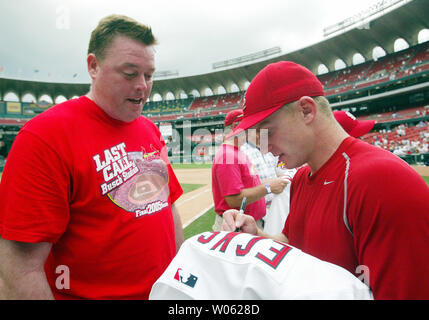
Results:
234 177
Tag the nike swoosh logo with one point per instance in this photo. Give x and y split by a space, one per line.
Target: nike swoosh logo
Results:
327 182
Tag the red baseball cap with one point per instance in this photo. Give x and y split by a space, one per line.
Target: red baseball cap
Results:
275 85
353 126
233 116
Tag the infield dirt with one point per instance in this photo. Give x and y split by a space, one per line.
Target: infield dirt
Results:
198 201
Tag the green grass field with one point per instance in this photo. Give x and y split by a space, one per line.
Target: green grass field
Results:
202 224
191 166
188 187
205 222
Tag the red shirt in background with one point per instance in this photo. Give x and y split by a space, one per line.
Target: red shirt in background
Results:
232 172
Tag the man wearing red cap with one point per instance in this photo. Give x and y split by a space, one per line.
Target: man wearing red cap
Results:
234 177
354 205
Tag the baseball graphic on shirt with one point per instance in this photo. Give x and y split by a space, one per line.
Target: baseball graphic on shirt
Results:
147 191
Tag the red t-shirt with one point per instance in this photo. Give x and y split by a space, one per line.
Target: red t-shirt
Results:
365 207
232 172
101 191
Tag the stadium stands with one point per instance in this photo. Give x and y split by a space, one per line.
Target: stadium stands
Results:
391 67
167 106
388 68
229 100
403 139
405 114
204 103
209 111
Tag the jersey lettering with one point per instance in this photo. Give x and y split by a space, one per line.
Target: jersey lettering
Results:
203 240
280 254
270 255
242 252
226 240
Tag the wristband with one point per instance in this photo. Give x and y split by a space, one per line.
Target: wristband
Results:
267 186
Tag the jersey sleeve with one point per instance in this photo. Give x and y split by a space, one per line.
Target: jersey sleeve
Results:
34 192
389 219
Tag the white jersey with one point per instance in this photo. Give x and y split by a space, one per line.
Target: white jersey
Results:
236 266
278 212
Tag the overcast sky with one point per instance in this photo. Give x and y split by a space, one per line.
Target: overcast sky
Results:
46 40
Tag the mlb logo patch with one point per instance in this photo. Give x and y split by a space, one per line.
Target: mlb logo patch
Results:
186 278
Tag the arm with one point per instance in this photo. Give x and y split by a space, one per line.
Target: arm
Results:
255 193
22 274
232 219
390 230
178 227
252 194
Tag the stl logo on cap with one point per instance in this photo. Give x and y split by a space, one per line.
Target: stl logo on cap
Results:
187 279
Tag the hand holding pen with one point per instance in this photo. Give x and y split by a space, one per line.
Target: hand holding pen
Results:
242 207
234 220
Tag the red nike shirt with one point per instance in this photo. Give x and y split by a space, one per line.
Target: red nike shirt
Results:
368 211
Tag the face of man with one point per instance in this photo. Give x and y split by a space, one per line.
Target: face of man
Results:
122 81
286 137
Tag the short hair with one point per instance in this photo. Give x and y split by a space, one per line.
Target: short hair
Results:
118 25
324 106
321 102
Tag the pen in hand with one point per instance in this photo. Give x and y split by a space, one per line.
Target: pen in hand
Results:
242 207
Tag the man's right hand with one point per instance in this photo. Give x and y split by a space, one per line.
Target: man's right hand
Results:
233 219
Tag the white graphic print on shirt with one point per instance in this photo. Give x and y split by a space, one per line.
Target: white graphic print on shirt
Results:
135 181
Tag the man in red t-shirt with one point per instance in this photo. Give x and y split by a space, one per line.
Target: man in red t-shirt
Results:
353 204
87 195
234 177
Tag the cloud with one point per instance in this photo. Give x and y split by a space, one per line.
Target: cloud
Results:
53 35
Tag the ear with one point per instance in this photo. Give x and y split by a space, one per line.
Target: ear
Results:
93 65
307 108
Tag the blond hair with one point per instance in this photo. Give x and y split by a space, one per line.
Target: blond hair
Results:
324 106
